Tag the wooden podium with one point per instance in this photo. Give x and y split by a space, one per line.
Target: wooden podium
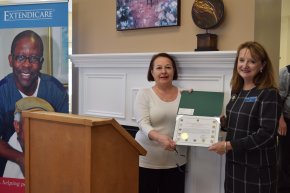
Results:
67 153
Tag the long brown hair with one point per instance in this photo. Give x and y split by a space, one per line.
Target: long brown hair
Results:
264 79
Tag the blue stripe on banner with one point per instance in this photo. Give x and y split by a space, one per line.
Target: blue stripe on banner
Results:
34 15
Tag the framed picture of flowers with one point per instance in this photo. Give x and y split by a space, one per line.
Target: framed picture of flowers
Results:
139 14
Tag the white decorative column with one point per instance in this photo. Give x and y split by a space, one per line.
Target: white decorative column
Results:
108 84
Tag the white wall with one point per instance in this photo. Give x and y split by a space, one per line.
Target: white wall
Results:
285 34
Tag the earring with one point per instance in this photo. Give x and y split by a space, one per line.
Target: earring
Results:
261 70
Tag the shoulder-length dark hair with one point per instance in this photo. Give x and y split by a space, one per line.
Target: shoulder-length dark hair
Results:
264 79
165 55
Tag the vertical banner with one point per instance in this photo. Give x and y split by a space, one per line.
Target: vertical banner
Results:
34 63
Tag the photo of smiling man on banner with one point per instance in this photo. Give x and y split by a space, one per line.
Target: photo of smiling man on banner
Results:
28 59
26 80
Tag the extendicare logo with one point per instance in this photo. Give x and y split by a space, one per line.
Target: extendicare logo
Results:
37 14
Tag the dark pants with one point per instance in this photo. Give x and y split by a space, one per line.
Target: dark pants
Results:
284 161
162 180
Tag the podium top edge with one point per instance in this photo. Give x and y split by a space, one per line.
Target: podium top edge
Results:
67 118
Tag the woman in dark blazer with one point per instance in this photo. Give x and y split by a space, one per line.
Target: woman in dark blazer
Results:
251 121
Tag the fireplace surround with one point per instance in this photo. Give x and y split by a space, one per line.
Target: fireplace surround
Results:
108 83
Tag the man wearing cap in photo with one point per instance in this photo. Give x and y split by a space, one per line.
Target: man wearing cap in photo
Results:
12 169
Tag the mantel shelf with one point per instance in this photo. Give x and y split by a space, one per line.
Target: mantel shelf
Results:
213 59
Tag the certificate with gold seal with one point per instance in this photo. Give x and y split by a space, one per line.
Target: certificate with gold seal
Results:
196 130
198 118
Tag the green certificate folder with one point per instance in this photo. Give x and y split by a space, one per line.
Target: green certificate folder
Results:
203 103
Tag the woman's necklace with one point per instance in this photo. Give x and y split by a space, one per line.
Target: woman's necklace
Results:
249 86
166 95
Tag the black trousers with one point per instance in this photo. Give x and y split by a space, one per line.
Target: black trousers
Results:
162 180
284 161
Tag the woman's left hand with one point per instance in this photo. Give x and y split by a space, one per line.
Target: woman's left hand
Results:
282 129
218 147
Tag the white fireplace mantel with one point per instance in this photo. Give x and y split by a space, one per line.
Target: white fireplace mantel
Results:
108 84
214 59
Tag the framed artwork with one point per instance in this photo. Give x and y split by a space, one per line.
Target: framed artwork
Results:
140 14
